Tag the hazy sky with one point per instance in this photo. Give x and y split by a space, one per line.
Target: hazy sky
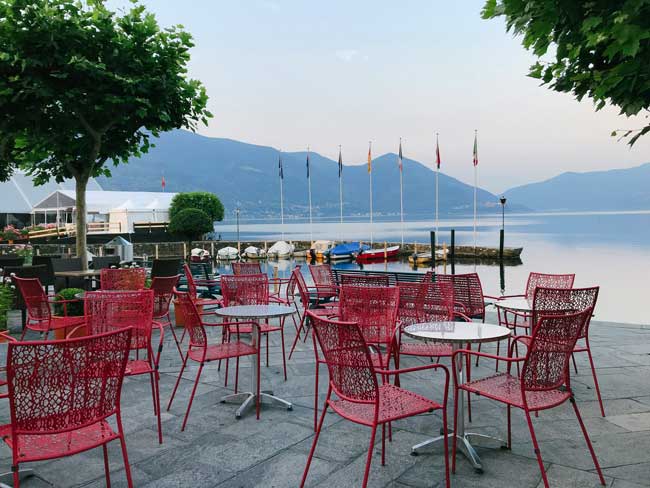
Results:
288 73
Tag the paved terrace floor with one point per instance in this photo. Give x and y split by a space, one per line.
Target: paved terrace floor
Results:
216 450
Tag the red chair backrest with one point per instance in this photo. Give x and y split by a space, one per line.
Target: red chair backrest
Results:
246 268
163 291
60 386
323 277
303 290
123 278
562 301
374 309
468 293
107 311
245 289
346 353
546 366
545 280
192 319
409 293
364 280
34 297
435 302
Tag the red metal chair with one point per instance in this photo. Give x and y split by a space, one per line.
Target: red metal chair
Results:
324 281
163 292
360 398
565 301
202 352
39 314
108 311
251 290
61 394
349 279
243 268
123 278
544 382
4 335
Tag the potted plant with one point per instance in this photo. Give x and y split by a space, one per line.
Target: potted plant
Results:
10 234
72 309
6 304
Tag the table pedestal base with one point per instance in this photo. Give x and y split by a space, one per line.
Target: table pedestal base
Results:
249 399
462 444
7 479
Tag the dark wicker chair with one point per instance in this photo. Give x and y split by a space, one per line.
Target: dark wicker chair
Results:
67 264
166 267
103 262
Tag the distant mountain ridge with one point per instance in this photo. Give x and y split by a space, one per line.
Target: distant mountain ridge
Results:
247 175
616 189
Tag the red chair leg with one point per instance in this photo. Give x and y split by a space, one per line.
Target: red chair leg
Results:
593 373
125 457
317 428
575 366
178 380
538 453
445 441
225 382
156 398
107 469
591 448
297 338
178 345
316 396
267 349
189 405
366 473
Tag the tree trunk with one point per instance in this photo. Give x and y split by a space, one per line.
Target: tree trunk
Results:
81 182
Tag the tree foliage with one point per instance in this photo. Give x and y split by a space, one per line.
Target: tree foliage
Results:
190 224
82 88
599 48
202 200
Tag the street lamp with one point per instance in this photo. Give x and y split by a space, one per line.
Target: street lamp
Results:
502 200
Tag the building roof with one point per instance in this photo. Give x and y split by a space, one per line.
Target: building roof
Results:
18 195
105 201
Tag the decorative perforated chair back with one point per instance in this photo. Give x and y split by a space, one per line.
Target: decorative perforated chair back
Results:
292 285
163 291
38 308
364 280
435 302
408 298
348 361
374 309
560 301
189 277
60 386
547 361
429 276
323 278
468 292
246 268
545 280
123 278
107 311
303 290
245 289
193 324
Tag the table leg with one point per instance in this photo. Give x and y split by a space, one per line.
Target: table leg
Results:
250 397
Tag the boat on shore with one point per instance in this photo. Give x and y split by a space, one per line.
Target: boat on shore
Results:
252 252
368 255
321 249
227 254
198 255
468 252
280 250
347 250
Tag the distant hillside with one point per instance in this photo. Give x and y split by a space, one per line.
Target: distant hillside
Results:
248 174
617 189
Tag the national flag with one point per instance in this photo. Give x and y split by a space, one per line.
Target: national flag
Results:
307 164
437 153
369 158
475 150
162 183
280 167
340 163
400 157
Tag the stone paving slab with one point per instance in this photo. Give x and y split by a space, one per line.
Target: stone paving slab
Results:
216 450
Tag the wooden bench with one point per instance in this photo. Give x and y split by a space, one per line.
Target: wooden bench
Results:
393 276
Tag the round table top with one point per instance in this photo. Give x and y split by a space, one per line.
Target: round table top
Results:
516 304
462 332
255 311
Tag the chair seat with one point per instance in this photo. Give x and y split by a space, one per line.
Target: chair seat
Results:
48 446
506 388
223 351
394 403
425 349
138 366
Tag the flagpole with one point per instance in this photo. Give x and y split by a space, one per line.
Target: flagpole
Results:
475 182
311 225
437 177
370 177
341 192
281 197
401 189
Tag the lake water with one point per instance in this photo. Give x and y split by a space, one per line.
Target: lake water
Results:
611 250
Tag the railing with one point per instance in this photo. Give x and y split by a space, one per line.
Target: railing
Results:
69 230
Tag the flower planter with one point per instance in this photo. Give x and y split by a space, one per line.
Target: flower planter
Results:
2 337
60 334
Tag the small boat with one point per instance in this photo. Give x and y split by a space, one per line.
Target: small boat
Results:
280 250
227 253
252 252
321 249
300 253
198 255
425 257
378 254
347 250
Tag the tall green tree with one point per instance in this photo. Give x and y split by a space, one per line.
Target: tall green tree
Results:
83 88
599 49
202 200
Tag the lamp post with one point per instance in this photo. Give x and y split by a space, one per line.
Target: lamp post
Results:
502 200
502 274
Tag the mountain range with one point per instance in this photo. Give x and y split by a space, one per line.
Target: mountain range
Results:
247 176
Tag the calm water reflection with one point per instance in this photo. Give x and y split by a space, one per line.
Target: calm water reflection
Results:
607 249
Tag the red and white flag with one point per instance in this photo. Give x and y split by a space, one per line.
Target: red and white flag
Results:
475 158
437 153
162 183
